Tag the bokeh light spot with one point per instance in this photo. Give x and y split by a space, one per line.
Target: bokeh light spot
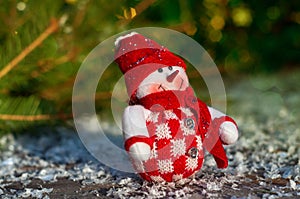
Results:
262 82
215 35
296 17
71 1
21 6
270 103
245 56
217 22
273 13
241 16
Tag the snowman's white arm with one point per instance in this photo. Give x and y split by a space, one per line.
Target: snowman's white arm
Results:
214 113
134 121
135 131
228 130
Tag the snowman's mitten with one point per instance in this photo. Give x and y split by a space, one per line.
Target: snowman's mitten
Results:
228 130
139 147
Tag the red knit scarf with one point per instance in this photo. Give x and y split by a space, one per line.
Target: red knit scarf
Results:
170 99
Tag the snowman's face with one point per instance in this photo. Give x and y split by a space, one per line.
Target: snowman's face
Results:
163 79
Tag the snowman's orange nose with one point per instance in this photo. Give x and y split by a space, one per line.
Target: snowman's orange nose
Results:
171 77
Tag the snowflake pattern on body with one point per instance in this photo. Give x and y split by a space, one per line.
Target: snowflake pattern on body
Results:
191 163
163 131
186 130
199 143
178 147
153 117
154 151
165 166
170 115
186 111
139 166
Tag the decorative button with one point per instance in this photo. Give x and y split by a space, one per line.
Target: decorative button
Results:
189 122
193 152
194 100
191 99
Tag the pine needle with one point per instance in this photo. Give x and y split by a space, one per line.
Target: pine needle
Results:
51 29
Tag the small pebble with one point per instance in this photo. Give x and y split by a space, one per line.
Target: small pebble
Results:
293 184
239 157
8 162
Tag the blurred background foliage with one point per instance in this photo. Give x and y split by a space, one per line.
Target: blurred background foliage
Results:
44 42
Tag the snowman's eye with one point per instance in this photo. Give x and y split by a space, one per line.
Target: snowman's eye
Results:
160 70
170 68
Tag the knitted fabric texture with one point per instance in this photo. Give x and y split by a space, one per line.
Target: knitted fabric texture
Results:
180 128
179 125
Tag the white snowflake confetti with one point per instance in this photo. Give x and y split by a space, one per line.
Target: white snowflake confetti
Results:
163 131
157 178
165 166
177 177
186 130
178 148
153 117
170 115
191 163
186 111
199 143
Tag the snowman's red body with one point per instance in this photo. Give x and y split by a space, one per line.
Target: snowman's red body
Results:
177 127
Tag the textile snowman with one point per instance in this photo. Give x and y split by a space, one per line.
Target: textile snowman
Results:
166 128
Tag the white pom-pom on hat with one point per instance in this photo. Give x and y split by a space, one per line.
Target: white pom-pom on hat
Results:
117 42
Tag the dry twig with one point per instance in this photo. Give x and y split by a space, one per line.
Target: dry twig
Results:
33 117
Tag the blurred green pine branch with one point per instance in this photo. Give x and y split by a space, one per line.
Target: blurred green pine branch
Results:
241 36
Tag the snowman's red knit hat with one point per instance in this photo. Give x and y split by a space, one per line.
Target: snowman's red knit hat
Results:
138 57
